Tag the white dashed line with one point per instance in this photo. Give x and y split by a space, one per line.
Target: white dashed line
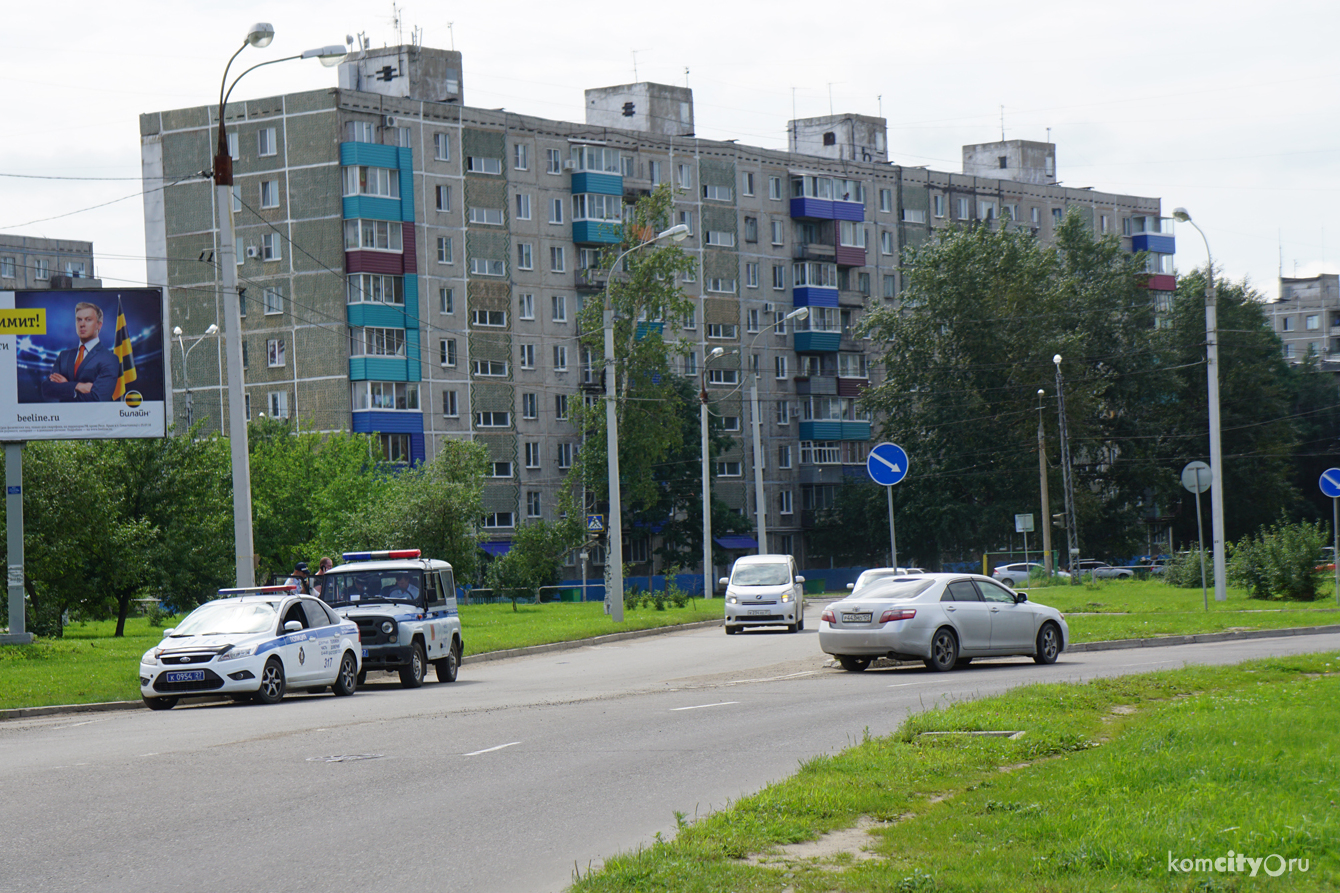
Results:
492 749
701 706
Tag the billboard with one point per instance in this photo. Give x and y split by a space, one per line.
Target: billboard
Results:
82 363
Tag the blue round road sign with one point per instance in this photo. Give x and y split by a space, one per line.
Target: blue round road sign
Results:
1330 482
887 464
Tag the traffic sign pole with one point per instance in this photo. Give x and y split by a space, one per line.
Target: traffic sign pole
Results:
887 465
893 539
1196 477
1330 486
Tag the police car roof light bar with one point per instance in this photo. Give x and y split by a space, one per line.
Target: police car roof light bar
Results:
259 590
382 555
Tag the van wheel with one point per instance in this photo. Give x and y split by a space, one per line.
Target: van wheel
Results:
412 675
448 666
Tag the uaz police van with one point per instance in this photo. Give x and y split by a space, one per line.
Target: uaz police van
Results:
405 608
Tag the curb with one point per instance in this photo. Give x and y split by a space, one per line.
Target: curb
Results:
1114 645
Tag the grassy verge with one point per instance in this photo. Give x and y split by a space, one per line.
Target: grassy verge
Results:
1109 782
89 665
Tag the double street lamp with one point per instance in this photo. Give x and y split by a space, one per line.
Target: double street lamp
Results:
259 36
614 559
1212 385
185 374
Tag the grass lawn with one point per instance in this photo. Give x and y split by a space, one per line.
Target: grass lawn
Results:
1110 781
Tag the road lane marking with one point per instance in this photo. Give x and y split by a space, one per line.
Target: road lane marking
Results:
906 684
773 678
492 749
701 706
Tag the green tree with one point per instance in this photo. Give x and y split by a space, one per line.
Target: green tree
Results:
535 559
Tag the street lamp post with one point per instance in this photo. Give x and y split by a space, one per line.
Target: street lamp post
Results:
1212 385
185 375
1046 507
614 559
707 485
1067 479
259 36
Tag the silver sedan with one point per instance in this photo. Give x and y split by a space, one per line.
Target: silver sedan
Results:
942 619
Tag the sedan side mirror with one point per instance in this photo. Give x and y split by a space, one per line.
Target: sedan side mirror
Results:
169 631
1020 597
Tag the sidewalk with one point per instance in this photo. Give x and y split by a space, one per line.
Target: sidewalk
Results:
1115 645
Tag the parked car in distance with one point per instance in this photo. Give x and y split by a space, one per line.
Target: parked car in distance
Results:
944 620
882 573
764 590
1019 573
253 643
1156 566
1101 570
1326 560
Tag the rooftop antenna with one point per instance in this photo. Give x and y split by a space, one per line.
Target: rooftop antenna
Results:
1049 134
396 24
416 37
686 77
1002 123
830 99
635 66
452 34
880 100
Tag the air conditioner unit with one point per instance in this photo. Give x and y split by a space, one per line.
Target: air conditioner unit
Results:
569 165
388 120
253 251
769 307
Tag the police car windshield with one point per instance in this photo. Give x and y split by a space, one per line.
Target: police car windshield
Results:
760 575
228 618
362 587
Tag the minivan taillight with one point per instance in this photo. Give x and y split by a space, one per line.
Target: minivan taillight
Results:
897 614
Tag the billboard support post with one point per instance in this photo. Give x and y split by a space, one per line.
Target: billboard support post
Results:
18 629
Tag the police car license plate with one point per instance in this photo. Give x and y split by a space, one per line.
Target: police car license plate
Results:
856 618
365 652
186 676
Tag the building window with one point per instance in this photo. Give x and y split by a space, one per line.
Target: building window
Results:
274 300
482 266
560 308
499 470
493 419
886 242
718 193
778 277
775 188
1312 322
274 352
525 257
751 229
557 259
555 161
443 196
373 235
377 181
686 219
446 300
783 412
628 167
751 275
491 318
375 288
532 503
278 404
938 205
532 451
728 469
235 153
522 206
496 520
445 255
751 320
777 234
560 358
486 216
784 456
1286 324
360 132
526 306
441 147
747 183
780 362
963 209
449 407
691 317
398 136
890 286
269 193
986 210
655 172
556 211
530 406
784 502
722 330
446 349
886 201
719 285
719 239
475 164
863 283
270 247
527 356
685 178
597 207
7 268
565 455
1057 214
723 376
561 407
265 141
521 157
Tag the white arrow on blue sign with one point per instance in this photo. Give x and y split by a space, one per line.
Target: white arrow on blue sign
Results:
887 464
1330 482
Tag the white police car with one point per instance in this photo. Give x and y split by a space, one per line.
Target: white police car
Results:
255 642
405 608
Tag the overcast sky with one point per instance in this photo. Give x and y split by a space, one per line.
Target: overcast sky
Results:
1224 107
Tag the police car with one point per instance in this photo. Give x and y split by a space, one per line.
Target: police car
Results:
256 643
405 608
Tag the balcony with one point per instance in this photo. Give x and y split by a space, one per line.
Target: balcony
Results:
819 251
821 385
592 279
1155 243
818 342
826 209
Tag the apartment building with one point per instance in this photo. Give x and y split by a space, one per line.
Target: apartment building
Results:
29 262
413 267
1306 316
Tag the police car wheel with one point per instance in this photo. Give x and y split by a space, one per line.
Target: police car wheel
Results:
347 682
272 683
411 676
447 667
160 703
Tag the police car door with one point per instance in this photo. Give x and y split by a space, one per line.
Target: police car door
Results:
296 649
434 609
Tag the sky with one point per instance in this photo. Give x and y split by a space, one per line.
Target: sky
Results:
1224 107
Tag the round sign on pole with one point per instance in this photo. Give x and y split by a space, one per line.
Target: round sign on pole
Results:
1330 482
1196 477
886 464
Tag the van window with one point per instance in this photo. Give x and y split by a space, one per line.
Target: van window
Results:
760 575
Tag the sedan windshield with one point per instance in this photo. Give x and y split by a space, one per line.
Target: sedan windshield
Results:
760 575
228 618
361 587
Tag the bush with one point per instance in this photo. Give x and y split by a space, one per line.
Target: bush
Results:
1184 569
1280 562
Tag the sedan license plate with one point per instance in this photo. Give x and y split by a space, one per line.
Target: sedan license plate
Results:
186 676
856 618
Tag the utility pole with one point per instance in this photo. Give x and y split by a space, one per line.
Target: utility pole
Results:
1046 503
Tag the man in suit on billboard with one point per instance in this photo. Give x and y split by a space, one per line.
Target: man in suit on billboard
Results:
87 373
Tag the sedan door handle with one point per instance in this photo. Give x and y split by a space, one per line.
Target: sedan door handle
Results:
951 609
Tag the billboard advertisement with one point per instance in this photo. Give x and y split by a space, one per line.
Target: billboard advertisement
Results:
82 364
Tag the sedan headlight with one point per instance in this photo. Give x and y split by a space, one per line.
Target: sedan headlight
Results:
235 653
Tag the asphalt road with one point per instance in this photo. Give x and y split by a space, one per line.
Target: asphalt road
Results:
503 781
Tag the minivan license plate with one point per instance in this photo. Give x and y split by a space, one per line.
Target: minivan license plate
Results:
856 618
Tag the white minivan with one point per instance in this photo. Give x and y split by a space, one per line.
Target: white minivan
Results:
764 590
